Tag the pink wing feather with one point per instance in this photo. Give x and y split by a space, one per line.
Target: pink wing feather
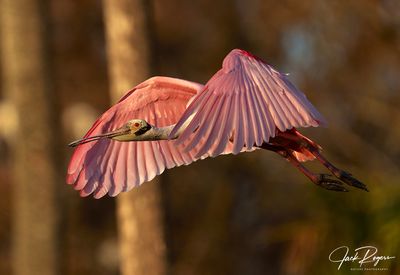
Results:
245 102
107 166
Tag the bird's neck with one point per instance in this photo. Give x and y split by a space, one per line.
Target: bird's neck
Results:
157 133
162 133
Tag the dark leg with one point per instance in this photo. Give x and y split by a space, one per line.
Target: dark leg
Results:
340 174
292 140
322 180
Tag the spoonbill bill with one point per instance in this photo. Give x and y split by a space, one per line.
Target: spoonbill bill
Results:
167 122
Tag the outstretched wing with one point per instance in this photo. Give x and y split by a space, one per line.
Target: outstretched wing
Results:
245 103
108 166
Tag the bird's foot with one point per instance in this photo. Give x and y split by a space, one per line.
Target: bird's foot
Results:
326 181
350 180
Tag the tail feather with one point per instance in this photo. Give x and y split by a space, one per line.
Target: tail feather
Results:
295 141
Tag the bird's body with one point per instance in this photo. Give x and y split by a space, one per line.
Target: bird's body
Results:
245 106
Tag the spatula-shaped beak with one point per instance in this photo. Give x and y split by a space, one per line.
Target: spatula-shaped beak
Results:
119 132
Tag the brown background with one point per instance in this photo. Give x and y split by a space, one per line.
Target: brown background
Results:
252 213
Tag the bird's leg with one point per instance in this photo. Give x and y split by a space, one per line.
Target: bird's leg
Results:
322 180
338 173
302 143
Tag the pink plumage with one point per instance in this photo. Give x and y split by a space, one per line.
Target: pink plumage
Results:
247 101
246 105
108 166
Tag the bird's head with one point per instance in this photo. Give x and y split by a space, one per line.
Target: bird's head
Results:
130 131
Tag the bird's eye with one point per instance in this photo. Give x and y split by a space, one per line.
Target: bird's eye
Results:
136 124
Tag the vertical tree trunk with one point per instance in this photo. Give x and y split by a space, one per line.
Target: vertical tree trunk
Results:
27 85
140 223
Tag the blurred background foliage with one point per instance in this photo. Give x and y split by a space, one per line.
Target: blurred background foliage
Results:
253 213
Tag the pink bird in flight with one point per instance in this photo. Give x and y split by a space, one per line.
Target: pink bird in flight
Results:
167 122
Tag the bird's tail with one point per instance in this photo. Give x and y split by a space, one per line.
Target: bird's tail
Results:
297 143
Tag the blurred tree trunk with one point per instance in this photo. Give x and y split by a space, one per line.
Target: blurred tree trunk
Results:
141 239
27 85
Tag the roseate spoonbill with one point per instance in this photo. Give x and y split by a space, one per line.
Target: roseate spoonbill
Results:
246 105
